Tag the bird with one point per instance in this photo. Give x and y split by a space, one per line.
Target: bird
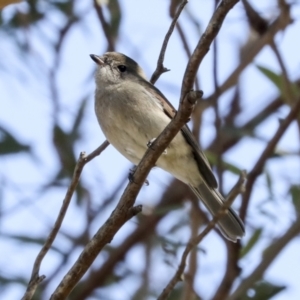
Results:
132 112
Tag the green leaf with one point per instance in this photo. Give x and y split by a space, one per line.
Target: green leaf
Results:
212 158
30 240
64 141
79 118
176 293
275 78
4 281
166 209
66 7
263 290
64 145
295 193
269 183
279 81
170 247
181 222
251 243
238 132
272 216
9 144
279 153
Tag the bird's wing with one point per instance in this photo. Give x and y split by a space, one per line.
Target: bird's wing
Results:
170 111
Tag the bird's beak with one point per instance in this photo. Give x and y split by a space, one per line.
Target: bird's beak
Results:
97 59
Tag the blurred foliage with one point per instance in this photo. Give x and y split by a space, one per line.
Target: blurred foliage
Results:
263 290
251 242
9 144
288 90
144 256
295 193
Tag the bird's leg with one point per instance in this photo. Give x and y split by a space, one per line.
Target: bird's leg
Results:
131 175
149 144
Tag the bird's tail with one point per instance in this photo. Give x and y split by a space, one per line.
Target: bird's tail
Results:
230 224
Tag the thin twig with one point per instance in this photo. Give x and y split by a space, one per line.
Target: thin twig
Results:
260 26
57 59
232 270
105 26
188 80
219 162
125 209
172 11
258 168
187 50
36 279
194 241
283 20
233 250
268 257
287 89
204 44
184 41
229 140
160 69
188 289
182 36
200 51
173 195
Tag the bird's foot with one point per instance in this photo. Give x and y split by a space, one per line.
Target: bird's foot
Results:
131 175
149 144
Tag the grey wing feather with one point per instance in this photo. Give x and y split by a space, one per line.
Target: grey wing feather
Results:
201 159
202 162
230 224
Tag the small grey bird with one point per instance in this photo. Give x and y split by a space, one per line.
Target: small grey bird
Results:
132 112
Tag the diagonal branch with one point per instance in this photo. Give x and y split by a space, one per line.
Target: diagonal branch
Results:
105 26
282 21
204 44
160 69
268 257
125 209
258 168
194 241
173 196
36 279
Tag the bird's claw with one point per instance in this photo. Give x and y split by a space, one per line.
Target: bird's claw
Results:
131 176
149 144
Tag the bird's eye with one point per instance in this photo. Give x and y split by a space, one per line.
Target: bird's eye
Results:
122 68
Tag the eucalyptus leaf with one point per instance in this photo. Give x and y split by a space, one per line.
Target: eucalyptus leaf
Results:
212 158
279 81
252 242
295 193
263 290
9 144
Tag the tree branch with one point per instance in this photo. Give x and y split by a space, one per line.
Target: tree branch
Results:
105 26
160 69
203 45
283 20
268 257
36 279
174 195
194 241
123 211
258 168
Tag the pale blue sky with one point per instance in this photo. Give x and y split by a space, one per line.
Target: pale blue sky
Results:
26 111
